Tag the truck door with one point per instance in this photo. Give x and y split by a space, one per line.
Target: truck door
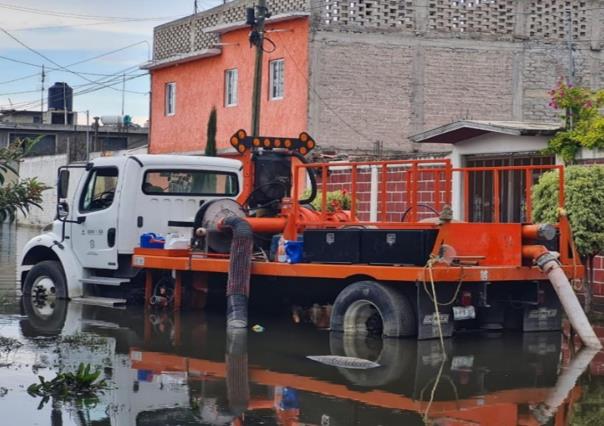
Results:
94 240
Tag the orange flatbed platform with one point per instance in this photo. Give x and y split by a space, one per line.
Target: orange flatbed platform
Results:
441 273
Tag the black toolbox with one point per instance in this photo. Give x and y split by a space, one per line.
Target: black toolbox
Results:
397 246
332 245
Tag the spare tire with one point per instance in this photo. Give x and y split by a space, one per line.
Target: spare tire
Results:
368 307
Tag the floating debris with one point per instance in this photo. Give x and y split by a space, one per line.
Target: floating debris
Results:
344 361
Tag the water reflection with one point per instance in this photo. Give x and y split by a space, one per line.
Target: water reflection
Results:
182 368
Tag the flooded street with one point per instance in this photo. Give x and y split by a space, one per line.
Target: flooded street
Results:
167 368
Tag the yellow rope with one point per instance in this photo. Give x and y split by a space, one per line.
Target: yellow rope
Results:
436 310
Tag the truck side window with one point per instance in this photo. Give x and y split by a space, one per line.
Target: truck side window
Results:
190 182
99 190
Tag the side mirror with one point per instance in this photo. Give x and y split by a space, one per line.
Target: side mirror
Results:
63 184
62 210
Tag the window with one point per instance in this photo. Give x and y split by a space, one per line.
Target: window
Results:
45 145
512 185
230 87
170 98
99 190
276 79
190 182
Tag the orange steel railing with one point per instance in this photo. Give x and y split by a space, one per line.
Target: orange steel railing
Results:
405 191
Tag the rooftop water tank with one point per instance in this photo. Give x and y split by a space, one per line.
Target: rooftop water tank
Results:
60 97
112 120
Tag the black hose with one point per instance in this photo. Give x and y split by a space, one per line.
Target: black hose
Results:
313 180
240 266
432 209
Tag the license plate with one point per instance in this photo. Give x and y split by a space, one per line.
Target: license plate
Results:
463 313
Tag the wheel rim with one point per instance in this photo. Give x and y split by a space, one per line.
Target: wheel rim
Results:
44 296
363 317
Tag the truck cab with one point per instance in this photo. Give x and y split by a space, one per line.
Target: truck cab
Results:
104 207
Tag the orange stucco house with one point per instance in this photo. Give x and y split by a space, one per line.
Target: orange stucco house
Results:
186 88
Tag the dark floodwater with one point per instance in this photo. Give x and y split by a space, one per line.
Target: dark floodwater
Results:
167 368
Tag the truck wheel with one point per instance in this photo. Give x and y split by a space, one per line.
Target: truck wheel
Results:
45 281
368 307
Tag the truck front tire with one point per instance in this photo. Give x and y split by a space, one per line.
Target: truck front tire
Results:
46 280
368 307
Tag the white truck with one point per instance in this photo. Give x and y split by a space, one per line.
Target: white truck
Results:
110 205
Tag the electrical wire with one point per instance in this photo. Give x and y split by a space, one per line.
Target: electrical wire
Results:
47 12
40 54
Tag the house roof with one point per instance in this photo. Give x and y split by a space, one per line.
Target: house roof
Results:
180 59
467 129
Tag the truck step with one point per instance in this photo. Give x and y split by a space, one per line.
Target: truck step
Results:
99 301
104 280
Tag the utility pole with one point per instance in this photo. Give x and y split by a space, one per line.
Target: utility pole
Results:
123 91
257 39
87 136
42 96
96 133
65 103
195 7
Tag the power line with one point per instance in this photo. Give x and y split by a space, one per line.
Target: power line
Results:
63 68
25 77
88 24
36 103
18 61
47 12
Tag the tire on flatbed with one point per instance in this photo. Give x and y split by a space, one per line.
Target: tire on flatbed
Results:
361 306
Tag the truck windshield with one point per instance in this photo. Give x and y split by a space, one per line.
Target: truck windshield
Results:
190 182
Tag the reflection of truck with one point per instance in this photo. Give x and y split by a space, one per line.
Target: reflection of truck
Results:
406 268
182 368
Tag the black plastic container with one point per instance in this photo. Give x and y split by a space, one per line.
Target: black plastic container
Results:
332 245
397 247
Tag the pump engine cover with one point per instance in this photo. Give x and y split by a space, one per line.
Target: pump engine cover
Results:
272 178
214 212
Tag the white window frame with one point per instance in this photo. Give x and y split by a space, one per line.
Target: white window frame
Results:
231 81
276 81
170 99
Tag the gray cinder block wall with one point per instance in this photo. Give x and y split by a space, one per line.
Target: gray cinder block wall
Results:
389 69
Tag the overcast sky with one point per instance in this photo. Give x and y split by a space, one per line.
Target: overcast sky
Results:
69 31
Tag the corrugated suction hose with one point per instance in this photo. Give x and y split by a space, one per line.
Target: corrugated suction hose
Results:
238 285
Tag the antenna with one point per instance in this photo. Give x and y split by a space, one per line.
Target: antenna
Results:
42 96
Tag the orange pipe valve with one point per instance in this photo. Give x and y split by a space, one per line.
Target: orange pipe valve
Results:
534 252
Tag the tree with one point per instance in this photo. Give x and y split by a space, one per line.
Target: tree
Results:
17 195
210 150
584 203
584 123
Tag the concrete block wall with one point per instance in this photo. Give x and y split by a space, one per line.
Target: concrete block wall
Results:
43 168
377 78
